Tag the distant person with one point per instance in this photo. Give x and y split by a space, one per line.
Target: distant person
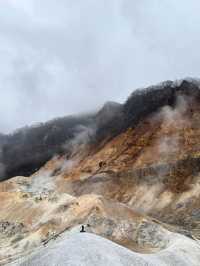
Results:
82 229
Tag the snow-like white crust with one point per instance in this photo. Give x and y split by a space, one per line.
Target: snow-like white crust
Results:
86 249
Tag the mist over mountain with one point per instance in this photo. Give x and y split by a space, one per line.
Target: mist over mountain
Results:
33 146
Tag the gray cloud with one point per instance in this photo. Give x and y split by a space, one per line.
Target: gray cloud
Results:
68 56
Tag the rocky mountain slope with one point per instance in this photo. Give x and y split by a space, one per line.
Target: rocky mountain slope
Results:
130 173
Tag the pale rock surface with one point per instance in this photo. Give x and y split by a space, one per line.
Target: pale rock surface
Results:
86 249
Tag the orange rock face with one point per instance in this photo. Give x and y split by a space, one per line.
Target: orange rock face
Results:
147 173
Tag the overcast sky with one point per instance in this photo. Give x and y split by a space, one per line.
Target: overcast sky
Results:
59 57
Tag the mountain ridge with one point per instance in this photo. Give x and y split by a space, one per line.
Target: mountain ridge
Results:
40 143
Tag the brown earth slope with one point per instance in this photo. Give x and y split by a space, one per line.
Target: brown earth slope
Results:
134 189
153 168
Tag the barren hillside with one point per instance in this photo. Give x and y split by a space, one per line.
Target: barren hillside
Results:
129 173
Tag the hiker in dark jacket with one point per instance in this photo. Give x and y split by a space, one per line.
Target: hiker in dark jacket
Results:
82 229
